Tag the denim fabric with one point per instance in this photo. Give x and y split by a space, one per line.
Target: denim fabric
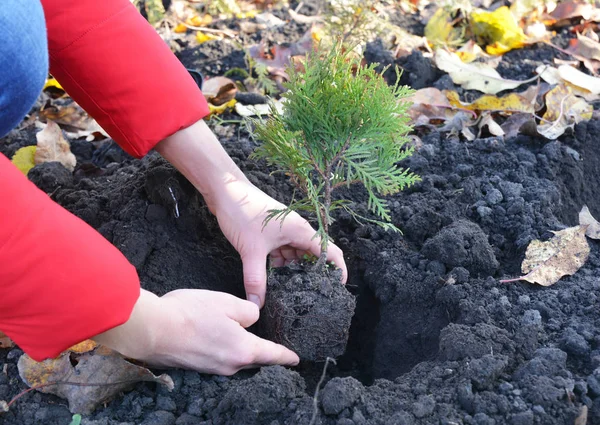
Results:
23 59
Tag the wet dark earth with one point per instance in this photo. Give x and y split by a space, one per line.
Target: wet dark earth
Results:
436 338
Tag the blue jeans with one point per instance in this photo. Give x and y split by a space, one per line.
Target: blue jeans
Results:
23 59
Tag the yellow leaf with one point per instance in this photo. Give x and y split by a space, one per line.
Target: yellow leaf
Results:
440 30
52 82
200 21
180 28
24 159
221 108
202 37
512 102
498 30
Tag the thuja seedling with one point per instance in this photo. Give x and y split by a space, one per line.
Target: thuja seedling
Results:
342 124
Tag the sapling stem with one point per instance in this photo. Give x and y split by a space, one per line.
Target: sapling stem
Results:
342 124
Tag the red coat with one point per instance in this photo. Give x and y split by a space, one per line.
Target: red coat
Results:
60 281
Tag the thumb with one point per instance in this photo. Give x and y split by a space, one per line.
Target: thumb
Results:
255 277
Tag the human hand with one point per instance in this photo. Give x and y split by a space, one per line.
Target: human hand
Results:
241 210
195 329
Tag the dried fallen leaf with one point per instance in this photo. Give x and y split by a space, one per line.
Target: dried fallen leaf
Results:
96 377
516 122
219 90
564 110
3 406
430 104
578 78
474 76
440 30
221 108
203 37
512 102
471 51
553 76
587 50
52 146
572 9
499 30
546 262
24 158
5 342
254 110
493 127
593 226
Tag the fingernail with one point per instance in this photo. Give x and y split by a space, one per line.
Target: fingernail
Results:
254 299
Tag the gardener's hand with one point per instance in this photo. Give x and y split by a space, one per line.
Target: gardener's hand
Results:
241 210
195 329
241 207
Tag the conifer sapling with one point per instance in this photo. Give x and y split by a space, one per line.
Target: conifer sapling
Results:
342 124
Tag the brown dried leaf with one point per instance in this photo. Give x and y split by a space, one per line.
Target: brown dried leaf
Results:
546 262
564 110
96 377
573 9
582 419
593 226
5 342
219 90
52 146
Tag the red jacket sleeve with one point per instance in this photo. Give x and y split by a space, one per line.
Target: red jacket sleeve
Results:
114 64
61 282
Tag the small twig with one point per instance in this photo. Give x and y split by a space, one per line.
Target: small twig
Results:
313 420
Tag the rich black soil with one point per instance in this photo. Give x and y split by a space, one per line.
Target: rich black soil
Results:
436 338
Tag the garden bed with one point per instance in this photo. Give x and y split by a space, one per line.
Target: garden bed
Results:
436 338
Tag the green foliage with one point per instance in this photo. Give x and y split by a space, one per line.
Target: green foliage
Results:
342 124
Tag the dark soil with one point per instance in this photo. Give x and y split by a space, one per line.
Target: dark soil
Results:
307 310
436 338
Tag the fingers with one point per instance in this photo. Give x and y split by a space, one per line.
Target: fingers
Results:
255 277
244 312
266 352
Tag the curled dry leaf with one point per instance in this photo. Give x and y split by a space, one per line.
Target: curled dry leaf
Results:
258 110
499 29
515 124
546 262
578 78
52 146
552 76
219 90
440 30
5 342
24 158
564 110
474 76
96 377
586 219
573 9
493 127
